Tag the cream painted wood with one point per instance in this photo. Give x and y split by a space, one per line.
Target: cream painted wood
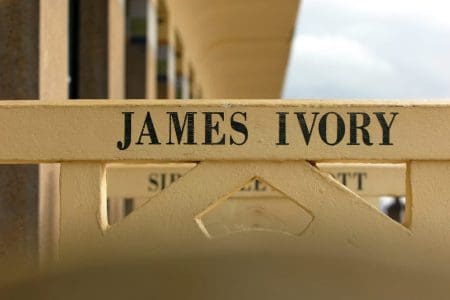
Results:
130 181
236 215
53 84
116 49
83 207
49 206
430 197
344 225
152 46
143 181
167 225
91 131
367 180
53 42
325 234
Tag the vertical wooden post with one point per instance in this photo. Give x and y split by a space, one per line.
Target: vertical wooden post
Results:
136 49
185 89
53 84
19 185
116 49
430 196
181 81
34 66
53 45
152 46
98 49
83 208
171 62
166 60
430 210
19 49
48 212
115 210
92 49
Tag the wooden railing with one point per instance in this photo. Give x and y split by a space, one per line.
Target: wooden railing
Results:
232 143
132 185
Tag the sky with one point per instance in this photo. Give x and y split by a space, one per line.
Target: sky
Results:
365 49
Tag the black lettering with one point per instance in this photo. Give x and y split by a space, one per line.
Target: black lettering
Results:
239 127
122 145
340 129
344 177
163 181
259 186
151 132
386 127
282 128
209 128
174 122
360 180
305 130
354 128
153 180
174 177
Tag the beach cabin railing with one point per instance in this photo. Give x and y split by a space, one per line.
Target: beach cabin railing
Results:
231 143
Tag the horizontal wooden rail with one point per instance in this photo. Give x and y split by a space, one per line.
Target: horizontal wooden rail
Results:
146 180
369 180
223 130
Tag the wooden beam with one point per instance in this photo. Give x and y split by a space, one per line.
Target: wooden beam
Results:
116 49
147 180
249 130
152 46
83 206
369 180
53 83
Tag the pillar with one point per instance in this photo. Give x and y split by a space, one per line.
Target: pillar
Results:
152 46
89 49
33 60
116 49
136 49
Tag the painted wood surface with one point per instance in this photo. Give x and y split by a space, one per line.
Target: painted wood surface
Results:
223 130
146 180
202 214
